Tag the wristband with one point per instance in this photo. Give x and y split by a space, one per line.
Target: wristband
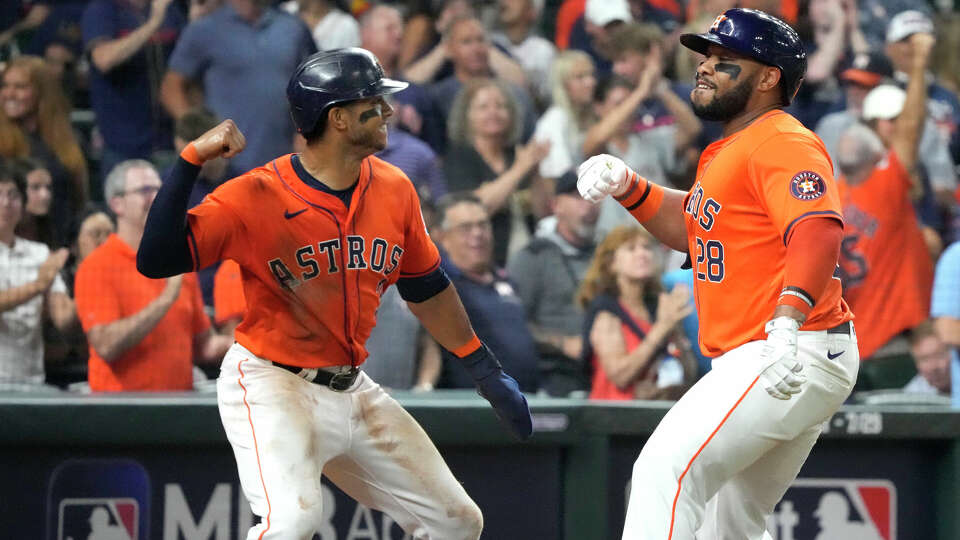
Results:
190 155
642 199
796 298
467 348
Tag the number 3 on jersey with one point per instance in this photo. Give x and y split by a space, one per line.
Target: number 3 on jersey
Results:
709 260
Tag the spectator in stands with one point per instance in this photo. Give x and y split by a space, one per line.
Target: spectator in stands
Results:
659 111
468 49
518 18
547 273
824 28
90 229
860 75
30 287
18 25
37 223
243 55
484 130
592 33
942 104
331 27
932 358
128 43
633 339
403 356
565 123
381 32
884 264
945 310
144 333
415 158
35 122
466 236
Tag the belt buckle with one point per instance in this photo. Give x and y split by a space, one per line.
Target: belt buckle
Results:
343 380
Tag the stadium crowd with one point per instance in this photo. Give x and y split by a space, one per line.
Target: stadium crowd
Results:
506 98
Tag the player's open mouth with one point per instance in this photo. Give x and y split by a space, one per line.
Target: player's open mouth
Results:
704 85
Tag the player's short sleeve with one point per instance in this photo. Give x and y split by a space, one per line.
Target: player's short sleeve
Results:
97 23
95 295
792 176
228 299
190 56
216 228
420 254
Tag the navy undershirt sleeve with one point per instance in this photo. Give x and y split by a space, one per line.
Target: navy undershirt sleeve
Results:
418 289
164 250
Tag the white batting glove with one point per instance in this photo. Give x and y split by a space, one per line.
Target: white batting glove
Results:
603 175
782 377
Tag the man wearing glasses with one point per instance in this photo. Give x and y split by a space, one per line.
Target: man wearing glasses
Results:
497 313
144 334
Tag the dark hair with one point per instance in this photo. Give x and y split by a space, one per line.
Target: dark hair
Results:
194 123
450 200
76 221
10 174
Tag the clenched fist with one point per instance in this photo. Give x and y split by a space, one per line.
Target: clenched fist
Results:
224 140
603 175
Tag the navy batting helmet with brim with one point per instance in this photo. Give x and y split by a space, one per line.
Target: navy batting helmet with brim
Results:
760 36
332 77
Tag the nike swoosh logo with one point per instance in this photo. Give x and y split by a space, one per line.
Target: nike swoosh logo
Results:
290 215
832 356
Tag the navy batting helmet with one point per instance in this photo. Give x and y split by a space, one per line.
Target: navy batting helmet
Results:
331 77
760 36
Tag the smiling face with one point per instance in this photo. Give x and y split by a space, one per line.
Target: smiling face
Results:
467 236
11 206
18 94
488 114
725 83
580 83
39 192
367 123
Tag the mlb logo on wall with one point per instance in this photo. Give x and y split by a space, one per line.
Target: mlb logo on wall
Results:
98 499
89 519
836 509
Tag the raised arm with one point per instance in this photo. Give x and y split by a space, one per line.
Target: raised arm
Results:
163 250
909 124
107 55
14 296
112 340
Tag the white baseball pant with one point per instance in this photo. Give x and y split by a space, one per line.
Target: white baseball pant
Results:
284 431
726 452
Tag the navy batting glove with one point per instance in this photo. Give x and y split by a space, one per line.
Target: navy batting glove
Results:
501 390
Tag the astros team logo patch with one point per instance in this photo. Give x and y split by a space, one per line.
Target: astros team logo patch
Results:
807 186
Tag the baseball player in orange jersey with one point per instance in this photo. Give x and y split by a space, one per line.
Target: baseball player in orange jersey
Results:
762 226
318 237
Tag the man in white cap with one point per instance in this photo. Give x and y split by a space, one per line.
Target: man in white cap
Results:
592 34
885 265
942 105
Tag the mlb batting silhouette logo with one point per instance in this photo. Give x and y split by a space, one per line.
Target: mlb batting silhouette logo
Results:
98 519
836 509
98 499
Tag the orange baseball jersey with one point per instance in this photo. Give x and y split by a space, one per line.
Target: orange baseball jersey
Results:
312 270
752 189
109 288
228 300
886 268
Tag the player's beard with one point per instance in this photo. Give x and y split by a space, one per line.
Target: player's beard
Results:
368 139
727 106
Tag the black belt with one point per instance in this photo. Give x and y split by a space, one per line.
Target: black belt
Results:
842 328
338 382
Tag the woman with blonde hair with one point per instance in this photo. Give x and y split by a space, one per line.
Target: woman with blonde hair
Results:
35 122
484 156
564 124
633 339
